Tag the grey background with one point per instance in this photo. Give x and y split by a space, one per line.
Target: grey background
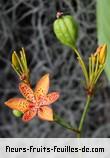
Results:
28 24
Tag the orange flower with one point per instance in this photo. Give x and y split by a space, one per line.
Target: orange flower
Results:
35 102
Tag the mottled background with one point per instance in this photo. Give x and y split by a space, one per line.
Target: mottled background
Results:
28 24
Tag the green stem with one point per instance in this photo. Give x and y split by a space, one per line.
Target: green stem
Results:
84 115
77 53
82 64
64 124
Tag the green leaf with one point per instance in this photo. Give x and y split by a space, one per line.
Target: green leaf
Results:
103 29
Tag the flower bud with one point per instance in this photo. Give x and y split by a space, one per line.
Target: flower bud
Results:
102 54
65 29
19 64
17 113
15 60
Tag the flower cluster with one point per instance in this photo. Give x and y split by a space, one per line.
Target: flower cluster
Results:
19 64
96 66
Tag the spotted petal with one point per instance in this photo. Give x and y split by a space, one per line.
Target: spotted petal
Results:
52 97
49 99
27 92
45 113
19 104
42 86
29 115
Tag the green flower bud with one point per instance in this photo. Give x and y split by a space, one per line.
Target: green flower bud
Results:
15 61
66 29
19 64
17 113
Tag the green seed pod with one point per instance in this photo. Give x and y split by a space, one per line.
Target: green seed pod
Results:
17 113
66 29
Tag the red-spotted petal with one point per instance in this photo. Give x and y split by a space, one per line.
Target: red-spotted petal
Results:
42 86
27 92
29 115
45 113
18 104
52 97
49 99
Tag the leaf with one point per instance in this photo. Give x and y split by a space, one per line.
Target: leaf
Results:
103 29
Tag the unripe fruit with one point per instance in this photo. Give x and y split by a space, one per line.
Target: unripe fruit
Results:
66 29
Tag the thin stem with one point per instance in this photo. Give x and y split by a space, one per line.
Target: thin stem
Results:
64 124
18 73
84 115
90 71
19 61
83 66
98 73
